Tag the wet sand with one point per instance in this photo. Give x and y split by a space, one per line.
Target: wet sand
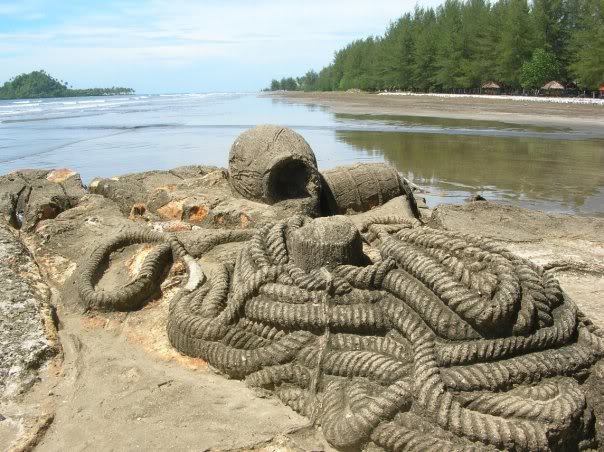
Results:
588 119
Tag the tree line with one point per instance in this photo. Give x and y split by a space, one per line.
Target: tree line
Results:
39 84
462 44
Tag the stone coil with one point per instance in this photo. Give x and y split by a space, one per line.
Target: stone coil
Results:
449 341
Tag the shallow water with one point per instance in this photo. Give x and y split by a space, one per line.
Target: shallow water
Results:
535 167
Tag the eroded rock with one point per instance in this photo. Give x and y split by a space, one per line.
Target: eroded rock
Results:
270 164
136 189
387 333
359 188
444 340
26 336
30 196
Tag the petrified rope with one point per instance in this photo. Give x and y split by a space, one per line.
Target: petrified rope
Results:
449 341
137 292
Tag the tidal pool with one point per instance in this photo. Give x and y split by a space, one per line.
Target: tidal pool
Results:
542 173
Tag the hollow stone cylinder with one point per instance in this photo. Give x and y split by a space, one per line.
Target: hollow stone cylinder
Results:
358 187
270 164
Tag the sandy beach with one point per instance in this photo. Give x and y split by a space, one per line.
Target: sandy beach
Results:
587 119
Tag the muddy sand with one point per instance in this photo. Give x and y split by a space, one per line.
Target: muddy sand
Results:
112 381
587 119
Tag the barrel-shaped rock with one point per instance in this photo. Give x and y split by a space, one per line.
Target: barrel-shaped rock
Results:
359 187
270 164
326 242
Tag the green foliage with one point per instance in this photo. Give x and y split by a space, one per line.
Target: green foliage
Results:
286 84
39 84
32 85
308 82
275 85
588 45
463 43
542 68
516 40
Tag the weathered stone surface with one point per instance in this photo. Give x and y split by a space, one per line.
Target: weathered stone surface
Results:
208 201
136 189
516 224
30 196
270 164
60 175
24 317
445 341
326 242
571 247
358 188
80 226
197 195
369 339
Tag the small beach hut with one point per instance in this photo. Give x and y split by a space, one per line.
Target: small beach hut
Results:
571 89
553 88
491 87
601 90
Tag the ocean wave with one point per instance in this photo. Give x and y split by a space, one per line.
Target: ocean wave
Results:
202 95
19 112
15 105
57 108
160 125
83 106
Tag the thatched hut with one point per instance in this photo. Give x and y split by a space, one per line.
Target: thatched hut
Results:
553 88
571 89
601 90
491 87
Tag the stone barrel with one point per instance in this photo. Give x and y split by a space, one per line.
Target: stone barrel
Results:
270 164
359 187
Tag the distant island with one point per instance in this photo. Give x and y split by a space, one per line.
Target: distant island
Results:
39 84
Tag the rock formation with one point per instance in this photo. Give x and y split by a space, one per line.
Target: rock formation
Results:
385 332
360 187
447 341
272 164
26 339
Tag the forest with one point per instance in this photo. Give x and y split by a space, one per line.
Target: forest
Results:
39 84
460 45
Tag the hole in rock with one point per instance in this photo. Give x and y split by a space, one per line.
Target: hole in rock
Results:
289 179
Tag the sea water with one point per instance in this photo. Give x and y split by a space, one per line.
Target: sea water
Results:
534 167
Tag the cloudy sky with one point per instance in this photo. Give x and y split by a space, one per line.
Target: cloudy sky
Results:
167 46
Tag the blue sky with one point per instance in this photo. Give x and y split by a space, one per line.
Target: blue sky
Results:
164 46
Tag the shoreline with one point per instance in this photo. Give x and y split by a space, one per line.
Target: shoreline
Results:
583 118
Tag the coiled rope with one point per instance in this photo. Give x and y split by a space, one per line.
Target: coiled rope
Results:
449 341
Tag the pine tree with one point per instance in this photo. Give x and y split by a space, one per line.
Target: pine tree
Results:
464 43
588 45
516 42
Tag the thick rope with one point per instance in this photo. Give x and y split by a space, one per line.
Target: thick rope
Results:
448 342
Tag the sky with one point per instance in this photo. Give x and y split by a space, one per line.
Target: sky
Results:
177 46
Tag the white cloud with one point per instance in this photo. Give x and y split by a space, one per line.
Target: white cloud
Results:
24 9
273 37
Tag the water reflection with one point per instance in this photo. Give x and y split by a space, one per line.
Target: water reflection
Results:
548 174
540 167
450 124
